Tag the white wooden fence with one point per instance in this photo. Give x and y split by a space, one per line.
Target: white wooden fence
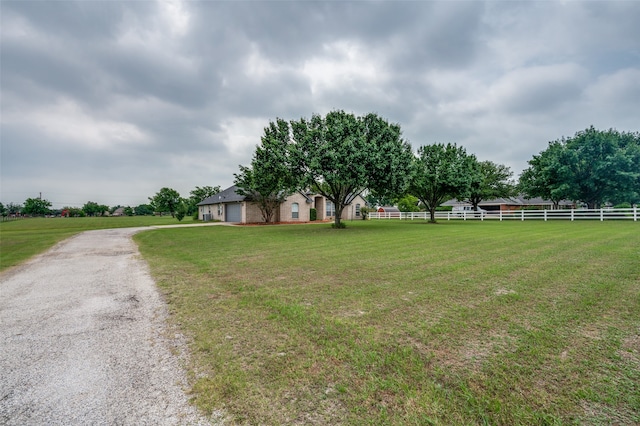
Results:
573 214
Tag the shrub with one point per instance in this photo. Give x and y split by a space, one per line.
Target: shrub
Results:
622 206
313 214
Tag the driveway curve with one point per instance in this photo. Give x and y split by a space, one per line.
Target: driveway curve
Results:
84 339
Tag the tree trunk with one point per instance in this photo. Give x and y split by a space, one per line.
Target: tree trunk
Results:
432 213
338 217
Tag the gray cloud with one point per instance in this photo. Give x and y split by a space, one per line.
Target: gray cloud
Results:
110 101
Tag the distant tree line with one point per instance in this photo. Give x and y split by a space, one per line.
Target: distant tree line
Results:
164 201
341 156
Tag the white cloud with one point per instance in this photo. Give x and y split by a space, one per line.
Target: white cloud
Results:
241 135
175 15
343 66
68 124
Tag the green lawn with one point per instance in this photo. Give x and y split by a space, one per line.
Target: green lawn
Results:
401 323
24 238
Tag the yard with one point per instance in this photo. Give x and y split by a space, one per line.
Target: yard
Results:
407 322
22 238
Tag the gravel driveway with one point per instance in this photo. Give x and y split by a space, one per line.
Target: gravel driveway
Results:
83 339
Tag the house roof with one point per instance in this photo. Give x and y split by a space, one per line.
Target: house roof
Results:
229 195
509 201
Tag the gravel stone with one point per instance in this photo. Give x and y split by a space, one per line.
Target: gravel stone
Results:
84 340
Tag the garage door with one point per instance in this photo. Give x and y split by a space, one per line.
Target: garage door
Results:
233 213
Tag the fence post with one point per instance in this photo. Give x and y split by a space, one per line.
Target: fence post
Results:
522 215
500 215
601 214
545 215
635 213
481 216
571 215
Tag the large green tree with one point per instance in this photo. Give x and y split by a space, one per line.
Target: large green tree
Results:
490 180
91 208
542 177
166 200
592 167
143 210
629 143
441 172
270 178
36 206
340 155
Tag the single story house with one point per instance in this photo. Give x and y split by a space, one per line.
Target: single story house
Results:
229 206
118 212
512 203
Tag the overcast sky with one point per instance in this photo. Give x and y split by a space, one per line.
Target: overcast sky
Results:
110 101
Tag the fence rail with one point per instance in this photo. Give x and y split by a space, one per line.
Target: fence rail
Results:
573 214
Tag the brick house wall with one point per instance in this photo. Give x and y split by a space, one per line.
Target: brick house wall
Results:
304 208
251 212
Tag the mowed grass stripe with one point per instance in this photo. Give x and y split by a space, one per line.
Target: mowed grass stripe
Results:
409 323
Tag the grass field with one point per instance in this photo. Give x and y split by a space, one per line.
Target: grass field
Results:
406 323
20 239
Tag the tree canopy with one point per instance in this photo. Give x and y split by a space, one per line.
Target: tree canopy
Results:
13 208
198 194
36 206
408 203
92 208
441 172
340 155
542 178
593 167
143 210
489 181
166 200
270 178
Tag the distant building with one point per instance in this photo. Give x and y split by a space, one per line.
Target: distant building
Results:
512 203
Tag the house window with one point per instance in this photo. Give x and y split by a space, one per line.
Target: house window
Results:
219 209
294 210
331 209
357 210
